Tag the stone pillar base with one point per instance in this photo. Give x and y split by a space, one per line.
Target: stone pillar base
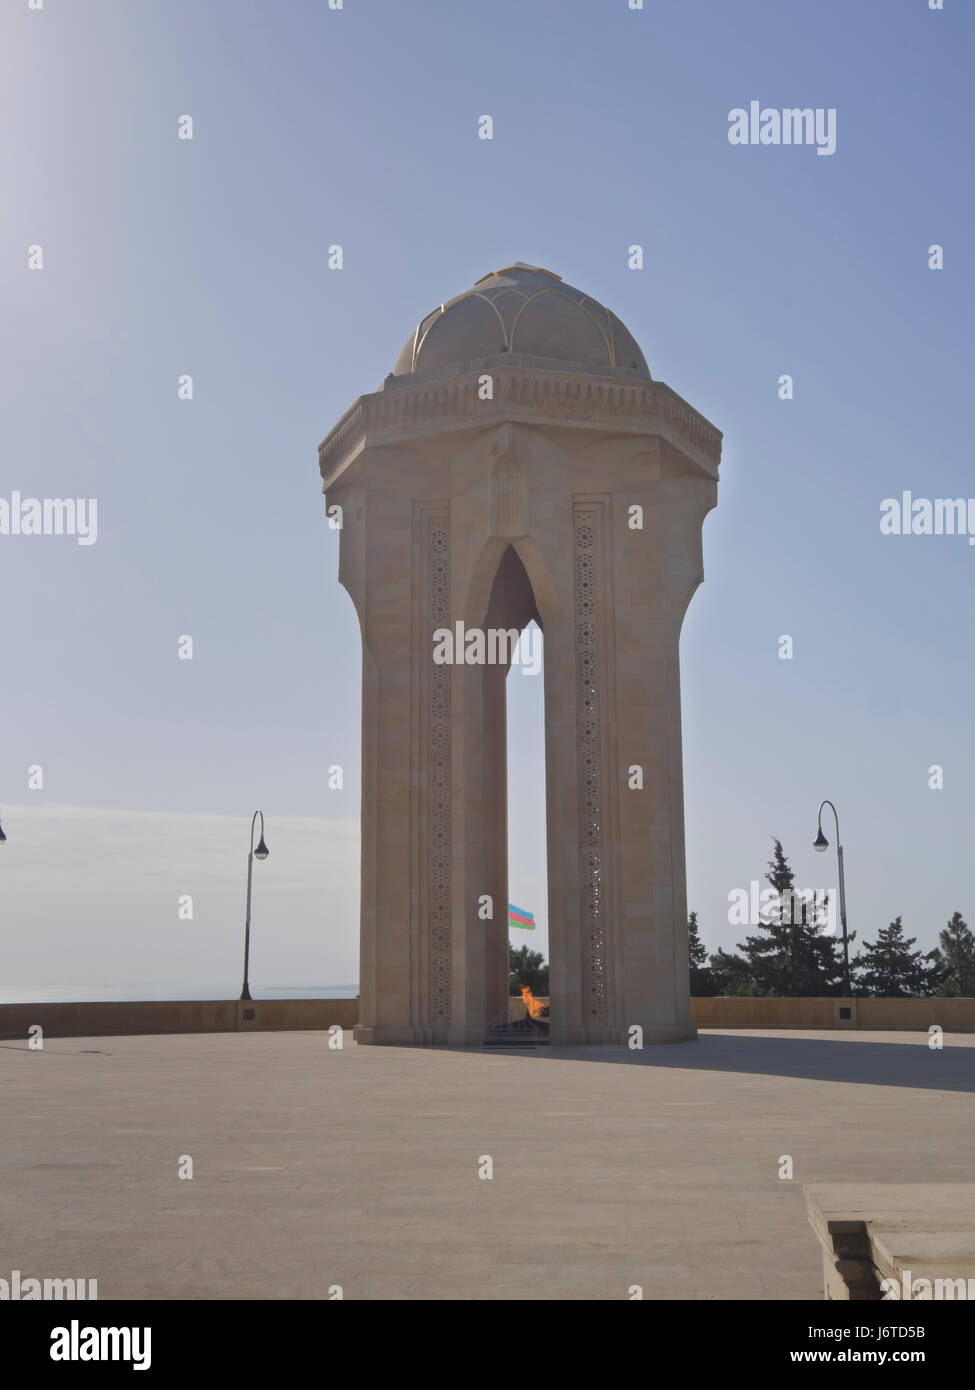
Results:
384 1036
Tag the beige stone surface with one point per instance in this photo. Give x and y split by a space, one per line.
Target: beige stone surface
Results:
909 1254
872 1231
108 1016
496 477
916 1015
194 1016
315 1167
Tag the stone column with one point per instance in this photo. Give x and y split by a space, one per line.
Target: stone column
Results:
492 510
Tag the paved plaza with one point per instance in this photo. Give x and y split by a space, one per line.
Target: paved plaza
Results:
314 1168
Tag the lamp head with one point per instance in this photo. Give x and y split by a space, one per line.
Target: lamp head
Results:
262 850
821 843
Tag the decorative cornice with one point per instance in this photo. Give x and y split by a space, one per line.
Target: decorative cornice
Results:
529 396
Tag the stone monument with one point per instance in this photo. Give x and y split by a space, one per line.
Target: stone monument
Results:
520 463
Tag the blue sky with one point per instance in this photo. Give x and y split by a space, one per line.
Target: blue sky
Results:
359 127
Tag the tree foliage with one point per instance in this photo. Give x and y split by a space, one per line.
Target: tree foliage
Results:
792 957
954 958
702 976
529 968
889 969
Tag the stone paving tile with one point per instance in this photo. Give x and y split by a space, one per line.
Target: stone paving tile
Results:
373 1286
360 1168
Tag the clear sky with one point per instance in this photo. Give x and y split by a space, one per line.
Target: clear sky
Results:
358 127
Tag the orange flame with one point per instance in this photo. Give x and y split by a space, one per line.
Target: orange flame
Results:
533 1006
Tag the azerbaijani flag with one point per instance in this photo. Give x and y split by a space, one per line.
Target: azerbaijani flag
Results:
518 917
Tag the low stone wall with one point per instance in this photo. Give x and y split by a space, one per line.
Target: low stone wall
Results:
106 1018
915 1015
81 1020
953 1015
735 1012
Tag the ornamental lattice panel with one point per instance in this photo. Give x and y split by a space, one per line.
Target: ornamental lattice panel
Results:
439 780
592 913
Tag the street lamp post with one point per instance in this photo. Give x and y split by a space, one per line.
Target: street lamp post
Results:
821 844
261 852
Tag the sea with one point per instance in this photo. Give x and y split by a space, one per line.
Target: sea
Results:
73 994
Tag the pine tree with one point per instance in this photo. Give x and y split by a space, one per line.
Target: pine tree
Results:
889 969
794 957
955 959
731 974
702 982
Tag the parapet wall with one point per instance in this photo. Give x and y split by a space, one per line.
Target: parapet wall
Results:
175 1016
104 1019
917 1015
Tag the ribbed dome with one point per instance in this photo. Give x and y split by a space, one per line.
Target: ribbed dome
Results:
524 310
